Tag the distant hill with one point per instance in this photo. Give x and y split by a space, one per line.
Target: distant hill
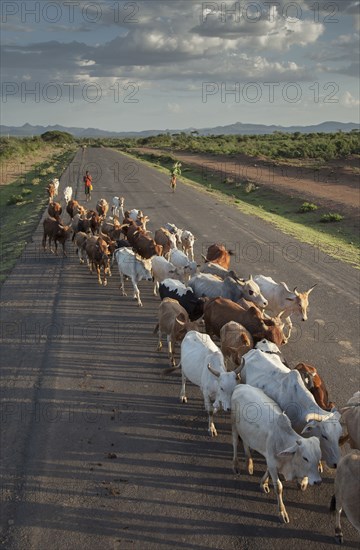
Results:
238 128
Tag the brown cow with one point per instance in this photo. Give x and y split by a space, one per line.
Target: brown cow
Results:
73 208
51 191
235 342
166 240
55 210
80 240
144 245
217 254
219 311
98 257
315 385
174 322
55 231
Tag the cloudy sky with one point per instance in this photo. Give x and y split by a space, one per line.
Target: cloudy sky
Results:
159 64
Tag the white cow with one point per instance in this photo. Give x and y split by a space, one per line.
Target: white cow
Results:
187 243
263 427
280 298
56 183
174 231
203 364
68 192
267 372
350 414
133 266
162 269
117 207
205 284
347 492
181 261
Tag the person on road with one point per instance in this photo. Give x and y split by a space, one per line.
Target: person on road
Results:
88 185
176 171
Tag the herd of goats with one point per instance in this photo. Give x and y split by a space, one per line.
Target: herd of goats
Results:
198 306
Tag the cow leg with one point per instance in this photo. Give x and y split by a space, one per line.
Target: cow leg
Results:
208 407
98 274
171 346
249 460
339 537
122 284
183 397
156 287
137 293
279 491
44 242
159 346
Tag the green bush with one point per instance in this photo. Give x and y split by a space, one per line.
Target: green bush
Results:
308 207
15 199
331 217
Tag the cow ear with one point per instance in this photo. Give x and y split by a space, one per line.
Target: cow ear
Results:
289 451
214 372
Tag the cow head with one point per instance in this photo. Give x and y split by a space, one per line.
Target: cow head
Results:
251 292
301 458
300 302
226 382
328 430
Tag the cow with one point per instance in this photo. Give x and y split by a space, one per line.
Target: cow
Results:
268 373
162 269
347 493
235 341
350 414
51 192
280 298
205 284
315 385
175 231
133 266
203 364
187 243
166 240
170 288
102 207
98 257
215 269
219 311
181 261
55 210
218 254
117 207
268 431
56 183
112 229
144 245
174 322
68 192
55 231
80 242
73 208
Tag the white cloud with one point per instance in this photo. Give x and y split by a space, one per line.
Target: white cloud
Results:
349 101
174 108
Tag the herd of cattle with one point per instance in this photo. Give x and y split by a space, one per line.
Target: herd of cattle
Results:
252 320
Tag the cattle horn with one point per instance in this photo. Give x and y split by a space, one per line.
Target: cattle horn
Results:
311 289
240 367
316 417
214 372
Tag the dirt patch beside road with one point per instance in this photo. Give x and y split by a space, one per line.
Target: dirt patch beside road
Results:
334 186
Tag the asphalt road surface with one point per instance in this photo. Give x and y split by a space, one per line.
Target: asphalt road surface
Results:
96 449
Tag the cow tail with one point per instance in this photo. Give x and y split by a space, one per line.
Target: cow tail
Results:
333 504
171 369
156 329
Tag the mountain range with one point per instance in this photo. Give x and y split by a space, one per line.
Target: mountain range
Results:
238 128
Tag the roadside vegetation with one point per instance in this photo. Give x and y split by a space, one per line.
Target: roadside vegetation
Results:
22 202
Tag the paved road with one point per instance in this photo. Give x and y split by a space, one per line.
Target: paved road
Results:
96 450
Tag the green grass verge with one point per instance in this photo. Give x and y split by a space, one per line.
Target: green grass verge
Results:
22 204
340 240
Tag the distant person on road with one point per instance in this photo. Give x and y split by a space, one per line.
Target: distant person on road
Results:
176 171
88 185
